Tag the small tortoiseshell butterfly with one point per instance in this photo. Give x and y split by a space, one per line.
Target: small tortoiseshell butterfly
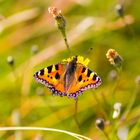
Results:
69 78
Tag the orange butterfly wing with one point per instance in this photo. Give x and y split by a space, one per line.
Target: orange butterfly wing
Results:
52 77
84 79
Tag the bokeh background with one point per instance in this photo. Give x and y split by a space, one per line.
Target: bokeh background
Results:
30 41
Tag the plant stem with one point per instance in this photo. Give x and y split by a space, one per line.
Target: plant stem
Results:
106 135
75 113
132 100
78 136
101 106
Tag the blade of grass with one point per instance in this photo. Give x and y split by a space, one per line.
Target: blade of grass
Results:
78 136
135 131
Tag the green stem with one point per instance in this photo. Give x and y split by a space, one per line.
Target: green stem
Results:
134 131
63 31
131 103
114 130
106 135
100 105
75 114
119 69
66 43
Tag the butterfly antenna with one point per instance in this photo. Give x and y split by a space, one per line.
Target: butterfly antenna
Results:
88 51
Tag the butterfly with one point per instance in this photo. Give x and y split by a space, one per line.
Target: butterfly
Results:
69 78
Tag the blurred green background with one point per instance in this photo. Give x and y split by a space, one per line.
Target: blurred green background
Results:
28 34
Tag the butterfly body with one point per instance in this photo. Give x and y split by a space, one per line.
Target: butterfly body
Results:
69 74
68 78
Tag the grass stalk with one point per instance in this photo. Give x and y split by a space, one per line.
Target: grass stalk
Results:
75 135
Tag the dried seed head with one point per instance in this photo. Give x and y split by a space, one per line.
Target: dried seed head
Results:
117 110
10 60
16 117
54 11
40 91
34 49
123 132
38 137
137 80
119 10
100 124
114 58
117 106
112 76
61 22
